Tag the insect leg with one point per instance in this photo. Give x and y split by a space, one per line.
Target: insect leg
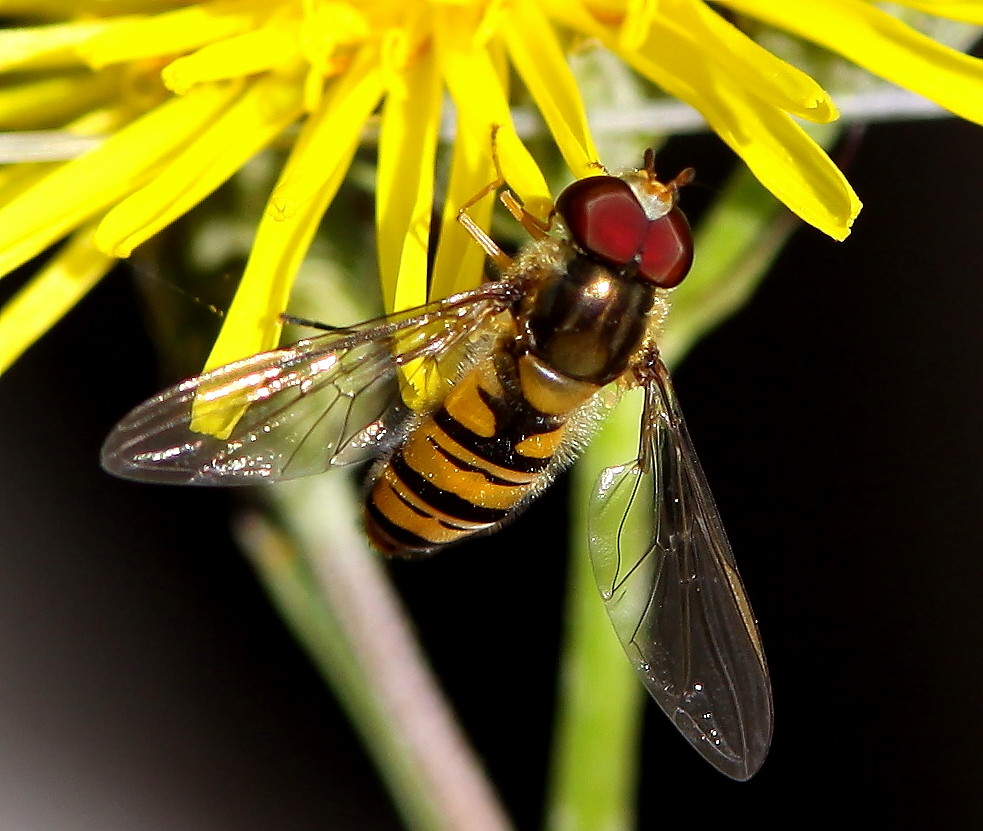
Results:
488 245
310 324
536 228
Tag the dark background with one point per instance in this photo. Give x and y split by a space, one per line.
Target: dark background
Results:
146 683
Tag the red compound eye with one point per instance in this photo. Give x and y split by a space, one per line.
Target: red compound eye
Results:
604 218
606 221
667 252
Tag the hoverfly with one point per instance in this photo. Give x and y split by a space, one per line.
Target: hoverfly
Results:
524 360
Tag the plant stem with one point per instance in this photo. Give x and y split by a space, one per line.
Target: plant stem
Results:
336 597
597 742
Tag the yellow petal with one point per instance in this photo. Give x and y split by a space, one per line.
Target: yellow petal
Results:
459 264
405 180
257 116
777 151
50 102
17 178
788 162
77 190
482 103
234 57
634 29
47 47
345 109
882 44
537 56
173 32
404 203
325 30
310 179
50 294
767 76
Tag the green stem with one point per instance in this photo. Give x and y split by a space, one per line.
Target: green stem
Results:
334 594
600 704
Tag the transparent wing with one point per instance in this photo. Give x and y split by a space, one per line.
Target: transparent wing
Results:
670 585
300 409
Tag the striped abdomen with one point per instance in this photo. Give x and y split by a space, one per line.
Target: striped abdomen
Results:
466 467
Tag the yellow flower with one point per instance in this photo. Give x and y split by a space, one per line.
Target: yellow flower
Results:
185 93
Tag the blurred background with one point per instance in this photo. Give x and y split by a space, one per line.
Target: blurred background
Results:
146 683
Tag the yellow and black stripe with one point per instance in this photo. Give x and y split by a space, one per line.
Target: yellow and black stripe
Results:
465 468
